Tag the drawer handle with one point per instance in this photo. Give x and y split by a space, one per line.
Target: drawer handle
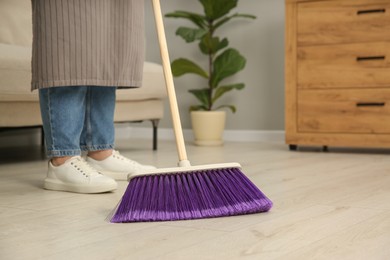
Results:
365 58
371 11
370 104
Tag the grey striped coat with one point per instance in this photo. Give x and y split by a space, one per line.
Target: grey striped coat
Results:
87 42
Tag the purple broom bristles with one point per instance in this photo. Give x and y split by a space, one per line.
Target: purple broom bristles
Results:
190 195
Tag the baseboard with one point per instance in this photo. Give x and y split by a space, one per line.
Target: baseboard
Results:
123 132
126 132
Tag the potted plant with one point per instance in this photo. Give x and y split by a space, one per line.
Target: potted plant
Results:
222 62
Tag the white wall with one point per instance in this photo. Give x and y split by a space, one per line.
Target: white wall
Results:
260 106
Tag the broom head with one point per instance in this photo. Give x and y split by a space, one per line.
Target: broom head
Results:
192 192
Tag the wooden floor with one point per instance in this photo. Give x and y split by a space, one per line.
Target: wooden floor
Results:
327 205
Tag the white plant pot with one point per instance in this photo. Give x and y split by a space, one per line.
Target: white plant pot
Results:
208 127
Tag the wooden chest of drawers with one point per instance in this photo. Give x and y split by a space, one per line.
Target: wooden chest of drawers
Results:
338 73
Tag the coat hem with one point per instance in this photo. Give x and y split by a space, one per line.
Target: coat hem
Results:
94 82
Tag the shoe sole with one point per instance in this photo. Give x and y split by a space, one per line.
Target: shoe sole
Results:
60 186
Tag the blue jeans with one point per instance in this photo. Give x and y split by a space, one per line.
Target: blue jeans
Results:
77 118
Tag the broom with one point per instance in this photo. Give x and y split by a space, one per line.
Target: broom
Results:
186 192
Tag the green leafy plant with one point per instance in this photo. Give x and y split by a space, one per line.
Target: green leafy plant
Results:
223 61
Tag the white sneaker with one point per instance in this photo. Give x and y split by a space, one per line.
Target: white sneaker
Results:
76 175
117 166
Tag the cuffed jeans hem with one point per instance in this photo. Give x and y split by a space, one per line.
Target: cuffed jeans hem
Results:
62 153
96 147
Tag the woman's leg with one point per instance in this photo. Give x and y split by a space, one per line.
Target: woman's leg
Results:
62 110
98 134
63 115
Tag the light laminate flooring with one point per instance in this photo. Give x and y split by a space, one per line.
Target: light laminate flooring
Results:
327 205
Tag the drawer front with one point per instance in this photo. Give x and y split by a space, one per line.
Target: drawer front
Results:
344 21
359 65
344 111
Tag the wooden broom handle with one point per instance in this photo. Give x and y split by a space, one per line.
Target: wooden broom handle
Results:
169 82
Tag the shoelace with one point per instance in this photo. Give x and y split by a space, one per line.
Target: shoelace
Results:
82 166
117 155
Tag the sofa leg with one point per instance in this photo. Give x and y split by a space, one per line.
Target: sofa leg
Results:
43 143
155 123
42 138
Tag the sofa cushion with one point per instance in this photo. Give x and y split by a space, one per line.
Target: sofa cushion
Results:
153 86
16 22
15 78
15 73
